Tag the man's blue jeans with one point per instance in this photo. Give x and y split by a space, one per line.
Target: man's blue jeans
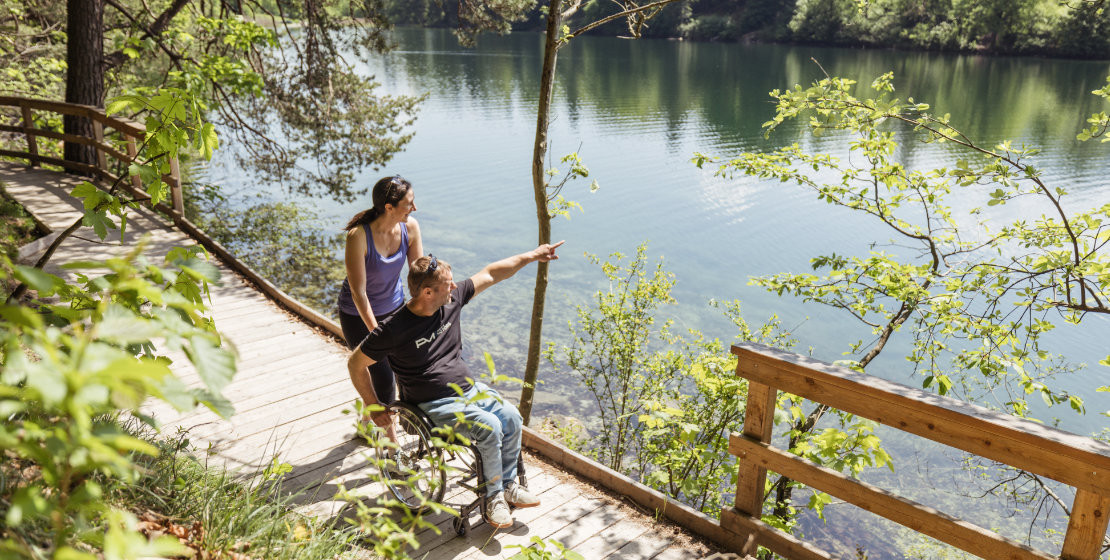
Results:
499 444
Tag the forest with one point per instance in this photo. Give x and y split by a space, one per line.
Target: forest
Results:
1078 29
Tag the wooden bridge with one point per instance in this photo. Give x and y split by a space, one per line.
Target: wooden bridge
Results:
292 386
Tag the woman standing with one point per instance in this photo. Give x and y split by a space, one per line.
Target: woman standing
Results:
379 242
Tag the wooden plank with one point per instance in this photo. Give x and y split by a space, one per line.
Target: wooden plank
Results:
560 520
647 546
653 500
244 393
683 552
278 413
751 478
135 129
588 526
1087 526
552 490
1074 460
611 539
52 134
921 518
295 440
783 544
484 537
307 313
277 347
29 124
45 105
71 165
547 486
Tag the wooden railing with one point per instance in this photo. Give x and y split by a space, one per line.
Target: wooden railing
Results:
106 132
1080 462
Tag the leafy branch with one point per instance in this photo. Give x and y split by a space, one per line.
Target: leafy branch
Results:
977 295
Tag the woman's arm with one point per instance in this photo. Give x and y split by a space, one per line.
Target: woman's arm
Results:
354 258
416 244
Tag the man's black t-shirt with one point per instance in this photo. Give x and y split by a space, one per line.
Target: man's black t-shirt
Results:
424 352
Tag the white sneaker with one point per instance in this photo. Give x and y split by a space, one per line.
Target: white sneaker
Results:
497 511
519 497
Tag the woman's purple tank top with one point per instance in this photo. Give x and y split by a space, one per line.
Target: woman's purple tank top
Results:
383 277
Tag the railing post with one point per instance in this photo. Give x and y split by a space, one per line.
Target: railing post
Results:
28 124
101 157
133 153
758 422
175 187
1087 526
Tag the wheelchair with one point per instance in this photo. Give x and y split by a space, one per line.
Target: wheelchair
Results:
417 471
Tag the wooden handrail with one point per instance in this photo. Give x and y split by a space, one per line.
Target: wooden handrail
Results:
129 132
1077 461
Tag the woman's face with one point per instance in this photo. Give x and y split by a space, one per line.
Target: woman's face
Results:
405 206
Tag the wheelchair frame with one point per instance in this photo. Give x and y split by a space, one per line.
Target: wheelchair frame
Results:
417 471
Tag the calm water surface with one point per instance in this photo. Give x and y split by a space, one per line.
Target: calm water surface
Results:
637 112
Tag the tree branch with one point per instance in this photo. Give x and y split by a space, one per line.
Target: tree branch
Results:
608 19
154 31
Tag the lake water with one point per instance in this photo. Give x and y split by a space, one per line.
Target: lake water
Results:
636 112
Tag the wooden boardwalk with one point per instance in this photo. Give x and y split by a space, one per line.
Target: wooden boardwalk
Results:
289 393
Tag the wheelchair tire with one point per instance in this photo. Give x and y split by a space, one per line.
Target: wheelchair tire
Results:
461 525
416 472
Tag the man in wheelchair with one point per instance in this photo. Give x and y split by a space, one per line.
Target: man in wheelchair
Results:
423 341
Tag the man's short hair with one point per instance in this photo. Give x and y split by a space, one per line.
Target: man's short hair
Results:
420 275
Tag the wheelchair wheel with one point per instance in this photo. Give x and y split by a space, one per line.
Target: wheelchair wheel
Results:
414 471
461 525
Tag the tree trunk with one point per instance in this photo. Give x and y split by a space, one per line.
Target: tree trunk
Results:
85 72
539 186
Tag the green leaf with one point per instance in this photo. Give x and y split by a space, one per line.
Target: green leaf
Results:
48 381
36 279
216 403
201 270
98 220
122 325
22 316
175 392
215 365
123 102
489 363
85 190
209 140
27 504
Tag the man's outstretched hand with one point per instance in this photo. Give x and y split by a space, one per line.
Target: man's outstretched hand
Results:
546 252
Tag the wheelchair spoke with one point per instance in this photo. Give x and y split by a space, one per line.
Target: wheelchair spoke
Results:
415 471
